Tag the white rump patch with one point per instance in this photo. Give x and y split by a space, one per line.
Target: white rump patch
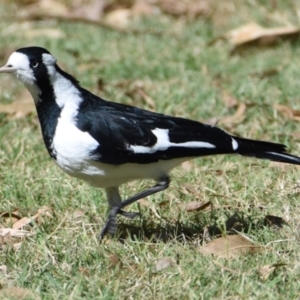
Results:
163 143
234 143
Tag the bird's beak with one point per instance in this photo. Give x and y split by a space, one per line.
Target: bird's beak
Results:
8 69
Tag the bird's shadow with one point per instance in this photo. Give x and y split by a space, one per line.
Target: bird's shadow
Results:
195 230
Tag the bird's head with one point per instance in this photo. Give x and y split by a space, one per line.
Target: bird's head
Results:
30 65
36 67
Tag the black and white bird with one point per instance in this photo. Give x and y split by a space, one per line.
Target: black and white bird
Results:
108 144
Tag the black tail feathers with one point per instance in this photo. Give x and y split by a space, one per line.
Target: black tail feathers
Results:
265 150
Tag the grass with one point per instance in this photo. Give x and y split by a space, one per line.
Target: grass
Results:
188 77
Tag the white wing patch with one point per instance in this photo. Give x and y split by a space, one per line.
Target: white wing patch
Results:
234 143
163 143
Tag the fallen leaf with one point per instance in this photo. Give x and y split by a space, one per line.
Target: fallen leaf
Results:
295 135
119 17
164 263
146 203
263 36
236 118
84 271
78 214
195 206
288 112
228 99
187 166
45 210
114 261
3 269
148 100
92 11
136 91
188 8
53 33
22 222
187 188
282 166
45 6
9 217
265 271
144 8
14 232
17 109
230 246
16 293
6 240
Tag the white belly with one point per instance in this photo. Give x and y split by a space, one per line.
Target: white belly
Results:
104 175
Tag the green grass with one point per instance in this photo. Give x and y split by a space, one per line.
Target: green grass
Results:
186 76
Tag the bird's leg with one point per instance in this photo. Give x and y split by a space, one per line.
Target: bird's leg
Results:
114 199
117 208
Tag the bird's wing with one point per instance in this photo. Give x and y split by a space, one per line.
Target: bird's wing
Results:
129 134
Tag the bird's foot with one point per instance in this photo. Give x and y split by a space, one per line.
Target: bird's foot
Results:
111 222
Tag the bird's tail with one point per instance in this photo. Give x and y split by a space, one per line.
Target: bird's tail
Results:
265 150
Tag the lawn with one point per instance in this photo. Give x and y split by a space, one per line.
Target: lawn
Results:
181 65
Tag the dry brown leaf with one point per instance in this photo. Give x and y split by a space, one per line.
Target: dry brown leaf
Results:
22 222
230 246
187 188
55 7
164 263
187 166
78 214
288 112
146 203
114 261
265 271
295 135
16 293
9 217
136 91
6 240
263 36
14 232
228 99
148 100
282 166
3 269
144 8
43 211
195 206
118 18
236 118
84 271
18 109
53 33
91 11
188 8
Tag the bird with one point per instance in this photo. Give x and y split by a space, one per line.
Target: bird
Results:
108 144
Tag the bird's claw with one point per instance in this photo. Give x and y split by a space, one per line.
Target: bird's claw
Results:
111 222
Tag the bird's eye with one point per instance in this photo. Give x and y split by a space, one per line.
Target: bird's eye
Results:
34 64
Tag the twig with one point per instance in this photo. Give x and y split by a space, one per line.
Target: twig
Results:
79 19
